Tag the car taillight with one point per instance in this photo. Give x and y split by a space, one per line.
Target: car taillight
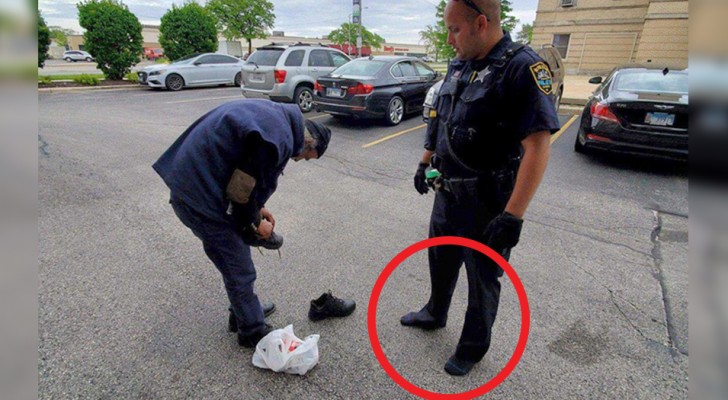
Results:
317 87
602 111
361 89
280 76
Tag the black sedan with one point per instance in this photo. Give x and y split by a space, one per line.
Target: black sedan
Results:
637 110
386 87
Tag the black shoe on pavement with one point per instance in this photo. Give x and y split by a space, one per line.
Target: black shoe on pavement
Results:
274 242
458 367
250 341
422 319
330 306
268 309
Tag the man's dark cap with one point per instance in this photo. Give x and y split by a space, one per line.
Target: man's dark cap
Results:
322 135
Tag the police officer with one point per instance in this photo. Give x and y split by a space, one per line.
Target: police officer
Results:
489 137
221 171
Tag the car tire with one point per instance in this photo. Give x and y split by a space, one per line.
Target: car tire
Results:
304 98
395 111
68 59
238 81
89 59
557 99
578 147
174 82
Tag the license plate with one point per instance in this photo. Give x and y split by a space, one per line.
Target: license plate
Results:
334 92
660 119
257 78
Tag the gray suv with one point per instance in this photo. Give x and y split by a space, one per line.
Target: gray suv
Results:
284 72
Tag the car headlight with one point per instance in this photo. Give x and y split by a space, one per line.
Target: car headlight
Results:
430 96
160 72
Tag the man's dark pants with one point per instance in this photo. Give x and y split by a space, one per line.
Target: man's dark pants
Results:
225 248
465 216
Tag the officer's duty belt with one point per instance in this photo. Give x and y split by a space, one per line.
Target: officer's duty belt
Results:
459 186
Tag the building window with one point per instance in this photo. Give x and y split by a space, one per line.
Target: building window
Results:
567 3
561 42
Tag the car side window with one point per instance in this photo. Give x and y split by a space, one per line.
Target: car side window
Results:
206 60
396 71
407 69
339 59
295 58
424 70
319 58
225 60
215 60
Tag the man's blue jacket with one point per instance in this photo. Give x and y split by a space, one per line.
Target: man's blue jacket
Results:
257 136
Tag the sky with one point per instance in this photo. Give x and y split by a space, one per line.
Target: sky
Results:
396 21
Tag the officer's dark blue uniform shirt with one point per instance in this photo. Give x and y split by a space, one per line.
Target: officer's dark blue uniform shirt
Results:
257 136
488 106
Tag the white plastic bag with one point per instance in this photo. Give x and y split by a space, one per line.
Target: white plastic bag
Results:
282 351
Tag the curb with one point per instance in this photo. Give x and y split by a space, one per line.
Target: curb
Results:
85 88
573 101
570 109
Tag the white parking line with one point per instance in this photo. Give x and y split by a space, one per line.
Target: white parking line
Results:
394 135
563 128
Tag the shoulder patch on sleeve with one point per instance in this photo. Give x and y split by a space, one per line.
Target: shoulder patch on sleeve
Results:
542 75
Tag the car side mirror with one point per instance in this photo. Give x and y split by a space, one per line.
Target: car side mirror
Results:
196 63
595 80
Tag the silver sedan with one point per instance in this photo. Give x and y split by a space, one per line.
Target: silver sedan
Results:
207 69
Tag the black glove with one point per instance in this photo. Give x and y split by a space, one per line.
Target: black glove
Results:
420 178
503 232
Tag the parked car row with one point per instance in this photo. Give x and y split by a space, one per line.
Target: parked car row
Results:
636 109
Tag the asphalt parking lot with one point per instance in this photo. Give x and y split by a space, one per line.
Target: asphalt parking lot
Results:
130 307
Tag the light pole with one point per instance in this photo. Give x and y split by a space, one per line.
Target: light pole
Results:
348 33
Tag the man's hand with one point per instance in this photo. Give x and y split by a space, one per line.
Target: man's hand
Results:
503 232
421 179
265 229
266 215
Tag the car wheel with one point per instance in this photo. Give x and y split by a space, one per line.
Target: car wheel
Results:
304 98
557 99
174 82
578 147
238 81
68 59
88 59
395 111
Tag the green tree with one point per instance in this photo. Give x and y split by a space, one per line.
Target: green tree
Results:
187 30
348 32
60 35
508 21
246 19
44 41
435 36
113 35
526 34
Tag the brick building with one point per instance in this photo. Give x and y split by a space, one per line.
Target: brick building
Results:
595 36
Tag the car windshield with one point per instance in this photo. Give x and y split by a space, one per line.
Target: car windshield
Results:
186 60
360 68
652 81
267 57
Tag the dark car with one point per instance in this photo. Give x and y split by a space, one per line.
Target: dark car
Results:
386 87
637 110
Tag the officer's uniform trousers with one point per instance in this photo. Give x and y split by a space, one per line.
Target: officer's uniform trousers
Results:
465 215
